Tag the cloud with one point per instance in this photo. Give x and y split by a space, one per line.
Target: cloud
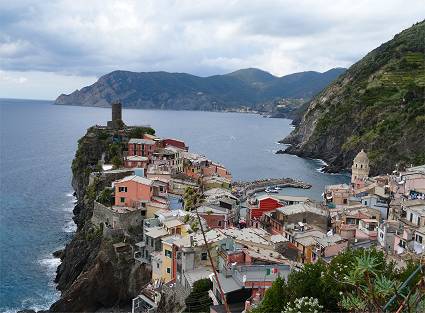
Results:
12 79
91 38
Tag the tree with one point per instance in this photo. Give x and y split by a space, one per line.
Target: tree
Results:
275 298
192 198
105 197
199 300
139 132
116 161
355 280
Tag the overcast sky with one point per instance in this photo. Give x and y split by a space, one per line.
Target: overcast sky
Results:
53 47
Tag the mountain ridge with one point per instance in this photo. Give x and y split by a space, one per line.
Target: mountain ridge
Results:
378 105
164 90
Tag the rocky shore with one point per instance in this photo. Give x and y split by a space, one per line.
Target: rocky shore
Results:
91 275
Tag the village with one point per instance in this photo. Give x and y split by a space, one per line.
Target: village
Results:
181 215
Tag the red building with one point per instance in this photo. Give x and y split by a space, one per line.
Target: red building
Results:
174 143
263 205
141 147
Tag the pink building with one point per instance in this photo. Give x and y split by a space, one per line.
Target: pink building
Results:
133 191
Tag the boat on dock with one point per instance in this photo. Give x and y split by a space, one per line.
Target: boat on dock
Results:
271 190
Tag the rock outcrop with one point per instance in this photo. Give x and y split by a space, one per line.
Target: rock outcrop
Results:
92 275
377 105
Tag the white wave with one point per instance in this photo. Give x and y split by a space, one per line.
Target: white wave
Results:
70 194
68 209
50 263
69 227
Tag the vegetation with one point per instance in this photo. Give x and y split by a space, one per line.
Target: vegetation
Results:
199 300
377 105
192 198
139 132
355 280
117 161
106 197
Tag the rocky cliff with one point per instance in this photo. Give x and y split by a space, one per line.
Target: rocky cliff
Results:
378 105
180 91
91 275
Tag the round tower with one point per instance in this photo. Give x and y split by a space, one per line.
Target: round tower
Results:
360 168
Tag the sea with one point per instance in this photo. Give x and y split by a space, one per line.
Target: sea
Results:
38 143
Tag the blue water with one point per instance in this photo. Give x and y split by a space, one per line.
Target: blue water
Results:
38 142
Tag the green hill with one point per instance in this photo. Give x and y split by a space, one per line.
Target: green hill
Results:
163 90
377 105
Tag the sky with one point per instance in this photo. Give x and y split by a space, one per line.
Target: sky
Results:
53 47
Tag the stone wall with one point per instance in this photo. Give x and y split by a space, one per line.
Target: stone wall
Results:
108 177
105 215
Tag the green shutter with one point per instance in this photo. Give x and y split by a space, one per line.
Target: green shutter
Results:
268 271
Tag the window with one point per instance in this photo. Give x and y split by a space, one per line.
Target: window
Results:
122 189
418 238
204 256
168 270
168 253
122 199
345 201
157 265
411 217
219 224
304 220
419 221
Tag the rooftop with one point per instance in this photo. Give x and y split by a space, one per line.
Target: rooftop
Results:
123 209
420 169
156 232
137 179
137 158
329 240
197 274
141 141
252 235
172 223
301 208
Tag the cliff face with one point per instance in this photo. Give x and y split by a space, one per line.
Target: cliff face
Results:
180 91
377 105
91 275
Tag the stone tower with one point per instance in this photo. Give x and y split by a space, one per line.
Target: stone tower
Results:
116 112
116 122
360 168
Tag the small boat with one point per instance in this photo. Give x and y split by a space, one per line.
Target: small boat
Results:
277 188
269 190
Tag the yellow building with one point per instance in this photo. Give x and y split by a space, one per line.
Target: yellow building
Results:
167 267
